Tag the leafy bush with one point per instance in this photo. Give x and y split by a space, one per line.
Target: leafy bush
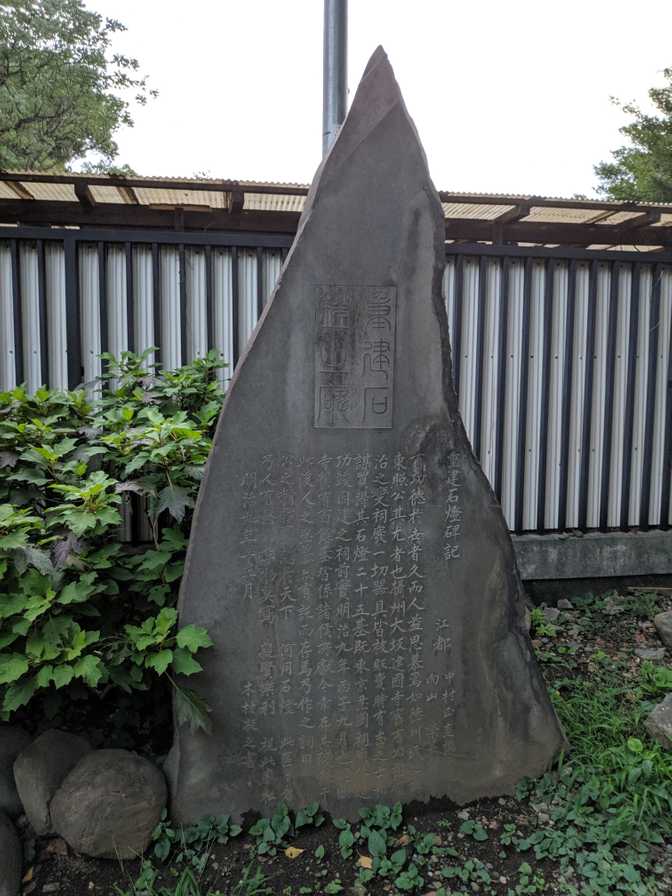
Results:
80 605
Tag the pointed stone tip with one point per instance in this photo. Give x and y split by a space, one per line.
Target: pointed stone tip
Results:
379 55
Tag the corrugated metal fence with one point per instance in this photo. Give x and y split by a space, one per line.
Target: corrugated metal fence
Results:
561 358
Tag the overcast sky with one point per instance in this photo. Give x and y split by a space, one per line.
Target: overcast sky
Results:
508 95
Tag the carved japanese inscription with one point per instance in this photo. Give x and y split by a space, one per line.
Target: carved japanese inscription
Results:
354 356
351 657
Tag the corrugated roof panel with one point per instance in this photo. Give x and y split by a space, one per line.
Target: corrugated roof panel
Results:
6 191
469 210
560 215
51 192
107 195
153 196
618 217
265 202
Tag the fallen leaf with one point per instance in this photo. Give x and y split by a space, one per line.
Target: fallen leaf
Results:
365 862
292 852
404 840
28 876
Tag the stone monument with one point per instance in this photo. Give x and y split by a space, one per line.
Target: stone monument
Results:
348 556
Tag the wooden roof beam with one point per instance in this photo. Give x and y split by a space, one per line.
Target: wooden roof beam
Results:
18 189
645 219
128 194
520 210
83 193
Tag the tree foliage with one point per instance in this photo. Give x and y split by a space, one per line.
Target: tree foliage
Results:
642 169
63 93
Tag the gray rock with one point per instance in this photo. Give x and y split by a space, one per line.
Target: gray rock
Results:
663 623
348 556
564 604
11 858
650 653
40 769
12 740
659 723
551 614
109 804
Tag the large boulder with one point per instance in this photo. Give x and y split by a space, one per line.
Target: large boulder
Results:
11 858
659 723
663 623
12 740
109 804
40 769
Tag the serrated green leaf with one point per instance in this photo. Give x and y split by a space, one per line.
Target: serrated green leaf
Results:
78 592
174 499
159 661
63 675
89 668
12 667
192 710
193 637
184 663
19 694
44 676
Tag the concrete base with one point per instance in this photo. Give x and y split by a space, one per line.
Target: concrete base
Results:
594 555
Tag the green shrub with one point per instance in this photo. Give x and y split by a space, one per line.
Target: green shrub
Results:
81 605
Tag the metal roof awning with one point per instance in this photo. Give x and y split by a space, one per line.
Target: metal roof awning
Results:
81 200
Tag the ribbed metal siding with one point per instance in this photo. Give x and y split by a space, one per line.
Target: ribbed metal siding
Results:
562 365
577 354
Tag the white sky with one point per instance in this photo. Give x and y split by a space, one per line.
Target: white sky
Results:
508 95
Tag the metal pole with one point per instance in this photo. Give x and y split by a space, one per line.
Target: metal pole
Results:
334 71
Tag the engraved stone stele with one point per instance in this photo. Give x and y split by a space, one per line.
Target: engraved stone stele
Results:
348 556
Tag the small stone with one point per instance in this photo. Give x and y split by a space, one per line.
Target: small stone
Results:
551 614
57 847
11 858
40 769
564 604
51 888
109 804
650 653
659 723
613 605
12 740
663 623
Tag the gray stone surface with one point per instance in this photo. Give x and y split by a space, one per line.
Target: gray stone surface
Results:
40 769
348 556
650 653
659 723
109 804
593 555
663 623
13 739
11 858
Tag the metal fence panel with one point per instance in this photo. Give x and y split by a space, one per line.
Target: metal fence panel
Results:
7 330
561 359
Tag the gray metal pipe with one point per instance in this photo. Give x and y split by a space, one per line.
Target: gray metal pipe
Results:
335 59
